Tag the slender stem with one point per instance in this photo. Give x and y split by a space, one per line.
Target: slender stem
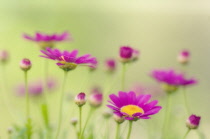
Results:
4 90
28 123
129 129
44 106
186 134
61 105
123 76
77 133
88 118
27 95
167 115
185 101
107 129
117 131
80 120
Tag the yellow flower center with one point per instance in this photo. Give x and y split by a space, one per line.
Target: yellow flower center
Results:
131 109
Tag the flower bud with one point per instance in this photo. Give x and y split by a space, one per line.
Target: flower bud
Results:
74 121
119 119
80 99
193 121
96 99
135 55
25 64
10 130
110 65
107 114
125 54
183 57
4 56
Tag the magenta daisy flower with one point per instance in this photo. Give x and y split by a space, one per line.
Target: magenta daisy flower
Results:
171 77
45 40
69 60
133 107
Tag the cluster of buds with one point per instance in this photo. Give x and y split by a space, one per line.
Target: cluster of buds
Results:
128 54
183 57
25 64
193 122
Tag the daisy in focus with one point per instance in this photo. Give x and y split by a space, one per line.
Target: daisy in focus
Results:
133 107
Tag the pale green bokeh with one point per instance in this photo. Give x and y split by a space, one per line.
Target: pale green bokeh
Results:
160 29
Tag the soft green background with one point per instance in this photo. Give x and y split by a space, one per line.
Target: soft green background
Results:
160 29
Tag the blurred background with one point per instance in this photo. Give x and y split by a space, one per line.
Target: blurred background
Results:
159 29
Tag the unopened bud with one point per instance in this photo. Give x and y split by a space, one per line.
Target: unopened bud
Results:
80 99
25 64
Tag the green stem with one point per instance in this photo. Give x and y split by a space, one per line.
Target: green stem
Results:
80 120
27 96
185 101
61 105
186 134
88 118
107 129
44 106
123 76
28 122
4 90
77 133
117 131
129 129
167 115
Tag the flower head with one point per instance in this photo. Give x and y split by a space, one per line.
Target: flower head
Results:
133 107
25 64
128 54
68 60
193 121
171 79
80 99
96 99
45 40
4 56
183 57
110 65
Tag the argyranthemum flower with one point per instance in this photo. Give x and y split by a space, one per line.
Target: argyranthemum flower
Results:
171 79
133 107
47 40
68 60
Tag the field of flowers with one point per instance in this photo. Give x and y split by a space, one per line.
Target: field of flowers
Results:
104 70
